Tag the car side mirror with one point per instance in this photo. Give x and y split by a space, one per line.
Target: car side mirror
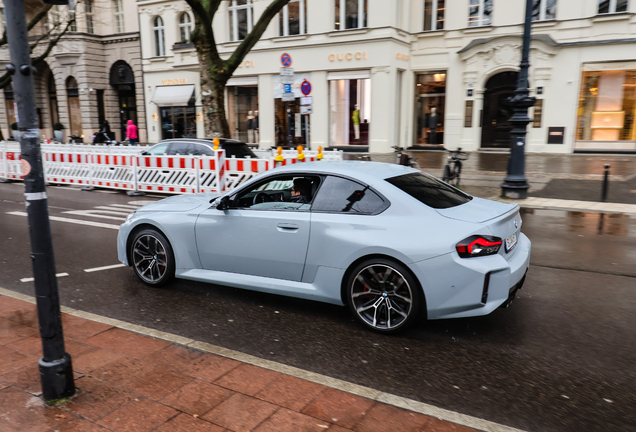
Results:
224 204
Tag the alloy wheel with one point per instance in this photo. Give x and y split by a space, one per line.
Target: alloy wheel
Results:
150 259
382 297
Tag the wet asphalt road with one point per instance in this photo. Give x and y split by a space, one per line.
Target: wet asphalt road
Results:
561 358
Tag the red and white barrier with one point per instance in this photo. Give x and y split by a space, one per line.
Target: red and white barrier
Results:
67 164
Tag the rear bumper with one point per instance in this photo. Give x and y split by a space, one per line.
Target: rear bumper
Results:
454 287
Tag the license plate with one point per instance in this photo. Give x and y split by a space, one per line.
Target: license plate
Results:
511 242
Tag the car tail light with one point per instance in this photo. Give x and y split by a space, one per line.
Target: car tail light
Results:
478 245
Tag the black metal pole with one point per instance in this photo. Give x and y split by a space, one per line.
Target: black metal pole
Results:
515 184
605 183
56 371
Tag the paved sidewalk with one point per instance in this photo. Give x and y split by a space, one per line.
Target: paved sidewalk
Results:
130 382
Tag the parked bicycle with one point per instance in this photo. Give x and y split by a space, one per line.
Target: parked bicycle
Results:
453 168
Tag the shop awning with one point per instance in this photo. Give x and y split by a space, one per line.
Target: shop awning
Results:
171 96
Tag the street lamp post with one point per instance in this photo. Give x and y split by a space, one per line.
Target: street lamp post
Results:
515 184
56 371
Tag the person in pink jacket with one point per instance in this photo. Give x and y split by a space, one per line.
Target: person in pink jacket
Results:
131 132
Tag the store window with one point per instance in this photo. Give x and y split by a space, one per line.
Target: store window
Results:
160 44
434 14
350 109
74 109
479 13
179 122
118 7
612 6
88 11
293 20
350 14
607 106
53 107
430 106
185 26
242 110
241 19
544 10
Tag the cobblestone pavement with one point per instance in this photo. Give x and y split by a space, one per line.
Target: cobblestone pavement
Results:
129 382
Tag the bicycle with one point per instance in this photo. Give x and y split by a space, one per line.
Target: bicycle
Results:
404 159
453 168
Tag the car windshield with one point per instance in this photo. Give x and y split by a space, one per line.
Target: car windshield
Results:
429 190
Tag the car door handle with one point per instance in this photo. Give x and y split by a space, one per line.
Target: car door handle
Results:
287 227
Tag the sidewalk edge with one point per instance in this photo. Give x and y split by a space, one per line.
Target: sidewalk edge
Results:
366 392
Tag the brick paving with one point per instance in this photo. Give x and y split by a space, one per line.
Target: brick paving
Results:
128 382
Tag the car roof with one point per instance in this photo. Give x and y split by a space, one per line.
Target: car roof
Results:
207 141
362 170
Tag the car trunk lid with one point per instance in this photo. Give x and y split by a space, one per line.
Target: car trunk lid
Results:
478 210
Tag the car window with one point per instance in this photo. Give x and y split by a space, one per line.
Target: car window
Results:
180 148
202 150
278 193
340 195
240 151
429 190
158 149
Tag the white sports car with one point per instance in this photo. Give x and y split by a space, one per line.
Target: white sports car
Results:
389 241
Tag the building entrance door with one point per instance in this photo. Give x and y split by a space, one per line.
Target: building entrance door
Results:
122 79
496 127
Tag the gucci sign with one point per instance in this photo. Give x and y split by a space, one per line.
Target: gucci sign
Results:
360 55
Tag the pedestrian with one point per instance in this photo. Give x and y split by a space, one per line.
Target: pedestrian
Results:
131 132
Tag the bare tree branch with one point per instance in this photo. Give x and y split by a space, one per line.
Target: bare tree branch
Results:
52 44
257 31
36 19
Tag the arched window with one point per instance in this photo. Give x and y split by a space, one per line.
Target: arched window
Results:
184 27
160 46
74 109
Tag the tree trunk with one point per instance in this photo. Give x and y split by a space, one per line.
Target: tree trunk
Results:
213 81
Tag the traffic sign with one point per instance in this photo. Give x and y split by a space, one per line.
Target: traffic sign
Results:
287 88
286 60
287 71
307 100
287 97
306 109
305 87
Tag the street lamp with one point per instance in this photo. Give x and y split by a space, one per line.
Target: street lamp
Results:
56 369
515 184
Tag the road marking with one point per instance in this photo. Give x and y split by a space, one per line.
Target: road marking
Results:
75 221
114 210
90 213
107 191
32 279
104 268
387 398
125 206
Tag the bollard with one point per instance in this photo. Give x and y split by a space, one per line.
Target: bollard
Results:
605 183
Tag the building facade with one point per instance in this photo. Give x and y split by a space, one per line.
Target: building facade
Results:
423 73
93 74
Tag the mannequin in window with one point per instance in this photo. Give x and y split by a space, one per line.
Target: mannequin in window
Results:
256 130
432 125
250 127
356 122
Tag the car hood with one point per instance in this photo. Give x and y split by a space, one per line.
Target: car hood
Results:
179 203
478 210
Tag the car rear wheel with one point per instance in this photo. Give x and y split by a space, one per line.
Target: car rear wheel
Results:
383 295
152 258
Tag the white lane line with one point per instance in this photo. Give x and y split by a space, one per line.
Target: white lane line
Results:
90 213
113 210
32 279
90 270
125 206
75 221
387 398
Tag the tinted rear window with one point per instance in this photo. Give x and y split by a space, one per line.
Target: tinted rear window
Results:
239 151
429 190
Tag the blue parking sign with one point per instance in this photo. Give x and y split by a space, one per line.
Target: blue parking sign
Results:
287 88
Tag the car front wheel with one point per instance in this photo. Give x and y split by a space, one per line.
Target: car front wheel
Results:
152 258
383 295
